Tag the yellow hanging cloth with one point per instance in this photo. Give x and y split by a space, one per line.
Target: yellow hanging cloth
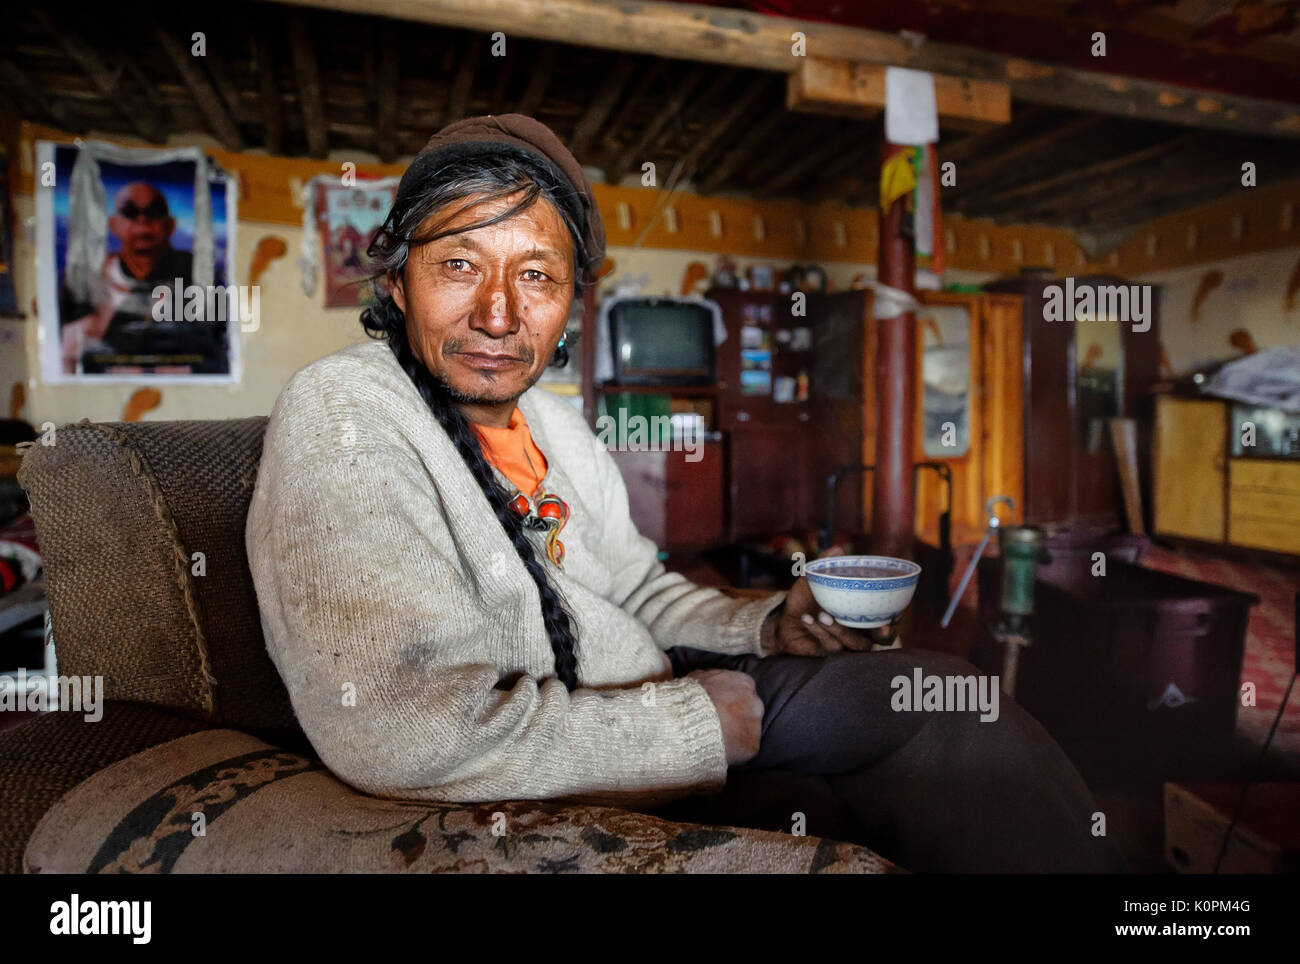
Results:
897 178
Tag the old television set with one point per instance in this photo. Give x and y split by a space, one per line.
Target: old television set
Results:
662 341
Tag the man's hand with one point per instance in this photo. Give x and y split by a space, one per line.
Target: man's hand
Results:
739 708
800 628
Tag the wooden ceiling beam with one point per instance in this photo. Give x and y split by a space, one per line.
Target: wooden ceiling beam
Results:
1026 194
497 100
540 79
972 176
228 92
825 86
584 132
388 84
1197 179
671 108
307 76
857 170
201 89
462 85
831 151
13 77
742 151
754 40
268 88
611 139
789 146
1024 119
142 116
715 131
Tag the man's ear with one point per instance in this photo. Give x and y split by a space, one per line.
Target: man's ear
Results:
171 226
398 290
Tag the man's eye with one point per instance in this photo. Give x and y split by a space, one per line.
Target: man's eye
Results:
532 274
457 264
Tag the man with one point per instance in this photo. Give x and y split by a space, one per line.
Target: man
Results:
106 333
461 608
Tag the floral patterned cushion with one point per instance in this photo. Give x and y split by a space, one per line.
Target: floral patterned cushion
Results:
222 801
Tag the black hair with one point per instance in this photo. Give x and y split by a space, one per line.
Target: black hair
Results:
496 172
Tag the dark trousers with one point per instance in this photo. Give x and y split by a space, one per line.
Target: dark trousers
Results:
931 791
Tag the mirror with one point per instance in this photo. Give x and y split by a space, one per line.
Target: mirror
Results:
945 379
1098 377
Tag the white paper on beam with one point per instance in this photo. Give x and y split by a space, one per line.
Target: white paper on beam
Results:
911 112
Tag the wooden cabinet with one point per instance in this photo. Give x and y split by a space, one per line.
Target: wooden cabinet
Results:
676 498
768 472
780 453
1205 494
988 460
1264 504
1189 467
1078 373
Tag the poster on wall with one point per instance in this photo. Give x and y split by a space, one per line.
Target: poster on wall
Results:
348 217
134 248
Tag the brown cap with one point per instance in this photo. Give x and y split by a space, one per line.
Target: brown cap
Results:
472 135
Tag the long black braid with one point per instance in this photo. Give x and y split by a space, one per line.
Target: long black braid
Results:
491 175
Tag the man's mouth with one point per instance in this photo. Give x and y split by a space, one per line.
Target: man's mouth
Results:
488 362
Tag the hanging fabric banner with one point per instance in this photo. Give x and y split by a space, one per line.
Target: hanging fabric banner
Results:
346 219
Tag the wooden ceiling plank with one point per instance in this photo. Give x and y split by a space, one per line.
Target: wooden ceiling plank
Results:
1198 181
497 102
833 150
584 132
269 94
761 41
535 92
715 131
388 88
972 175
16 80
1088 172
611 139
306 74
140 115
703 104
462 85
672 108
1023 120
743 150
228 92
205 96
789 145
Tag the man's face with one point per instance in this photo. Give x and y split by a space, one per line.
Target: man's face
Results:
486 308
140 219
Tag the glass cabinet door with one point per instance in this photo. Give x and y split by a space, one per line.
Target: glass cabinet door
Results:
946 379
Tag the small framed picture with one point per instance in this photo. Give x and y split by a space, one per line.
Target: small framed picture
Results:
761 277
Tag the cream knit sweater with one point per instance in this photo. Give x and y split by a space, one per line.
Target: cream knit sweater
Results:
410 636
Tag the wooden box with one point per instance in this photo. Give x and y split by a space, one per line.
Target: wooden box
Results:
1266 839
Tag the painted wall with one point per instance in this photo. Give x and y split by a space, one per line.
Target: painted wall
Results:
1247 292
296 328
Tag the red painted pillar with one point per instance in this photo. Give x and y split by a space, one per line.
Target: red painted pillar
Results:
893 491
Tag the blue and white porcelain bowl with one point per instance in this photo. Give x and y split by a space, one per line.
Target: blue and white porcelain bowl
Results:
863 592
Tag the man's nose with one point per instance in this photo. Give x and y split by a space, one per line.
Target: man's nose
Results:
496 310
